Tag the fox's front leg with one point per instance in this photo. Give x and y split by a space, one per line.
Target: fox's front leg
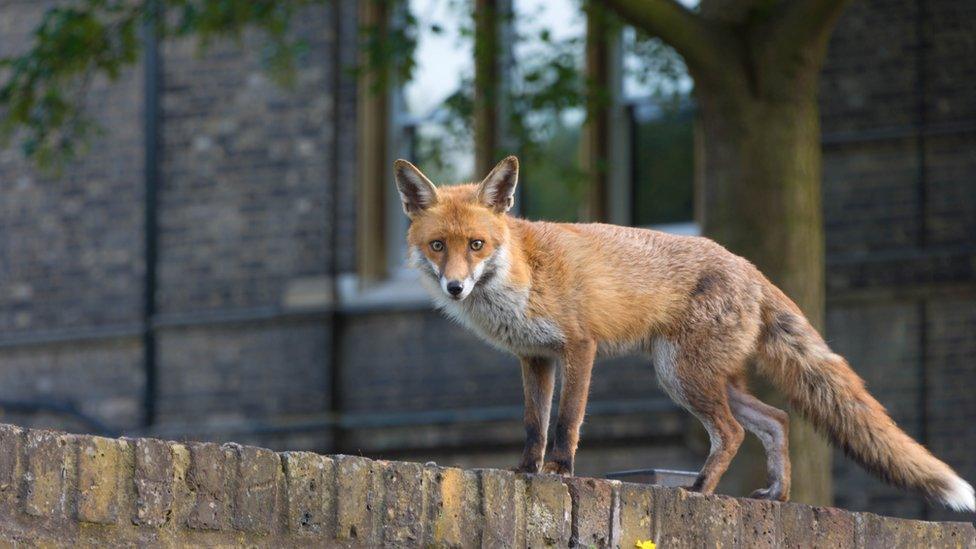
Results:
538 381
577 366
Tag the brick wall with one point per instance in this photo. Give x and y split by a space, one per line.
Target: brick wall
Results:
897 108
245 210
245 207
71 254
64 490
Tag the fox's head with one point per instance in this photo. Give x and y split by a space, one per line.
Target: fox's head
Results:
457 232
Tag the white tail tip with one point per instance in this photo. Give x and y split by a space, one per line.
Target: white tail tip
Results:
959 496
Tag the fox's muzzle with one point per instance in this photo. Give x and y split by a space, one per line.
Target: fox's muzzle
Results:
454 287
457 288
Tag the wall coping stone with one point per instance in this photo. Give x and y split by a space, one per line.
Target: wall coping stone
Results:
66 490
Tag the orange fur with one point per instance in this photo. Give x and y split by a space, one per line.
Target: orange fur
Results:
548 291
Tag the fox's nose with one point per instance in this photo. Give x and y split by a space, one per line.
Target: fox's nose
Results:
454 288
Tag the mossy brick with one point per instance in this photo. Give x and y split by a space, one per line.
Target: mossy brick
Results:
503 506
686 519
256 490
454 508
877 532
310 481
359 501
834 528
10 448
929 534
758 523
206 481
636 511
405 505
154 482
592 512
548 511
44 480
100 463
797 526
957 535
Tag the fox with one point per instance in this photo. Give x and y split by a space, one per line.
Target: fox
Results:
568 293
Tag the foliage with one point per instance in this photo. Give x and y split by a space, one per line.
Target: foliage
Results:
545 104
44 88
71 45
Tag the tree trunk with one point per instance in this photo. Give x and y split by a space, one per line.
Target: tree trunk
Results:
595 140
490 79
761 199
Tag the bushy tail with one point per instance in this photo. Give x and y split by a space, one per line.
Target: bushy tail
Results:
822 386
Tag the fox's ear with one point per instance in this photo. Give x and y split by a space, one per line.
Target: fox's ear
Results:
416 191
497 191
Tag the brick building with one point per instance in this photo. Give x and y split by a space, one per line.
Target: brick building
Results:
198 273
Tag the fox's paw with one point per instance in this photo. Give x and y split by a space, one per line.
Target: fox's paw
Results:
558 468
772 493
529 468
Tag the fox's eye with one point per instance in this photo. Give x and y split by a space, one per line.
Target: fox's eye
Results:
437 245
477 244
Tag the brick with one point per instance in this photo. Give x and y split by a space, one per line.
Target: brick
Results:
405 509
206 480
46 454
359 501
10 444
636 514
877 532
592 512
154 479
956 535
310 479
615 513
715 519
548 511
758 523
257 488
100 463
834 528
796 526
454 508
503 503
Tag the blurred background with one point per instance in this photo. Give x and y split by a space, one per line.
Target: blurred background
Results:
200 237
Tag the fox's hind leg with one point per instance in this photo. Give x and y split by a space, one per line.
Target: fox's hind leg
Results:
725 435
771 426
701 390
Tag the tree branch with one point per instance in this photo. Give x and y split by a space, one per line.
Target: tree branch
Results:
695 39
804 24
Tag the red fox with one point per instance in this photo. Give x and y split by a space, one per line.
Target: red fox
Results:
572 292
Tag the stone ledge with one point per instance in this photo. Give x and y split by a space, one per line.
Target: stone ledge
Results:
75 490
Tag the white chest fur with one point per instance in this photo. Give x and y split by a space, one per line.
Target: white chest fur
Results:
498 312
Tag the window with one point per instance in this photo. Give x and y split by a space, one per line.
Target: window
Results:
549 46
426 133
601 118
663 164
397 121
660 113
